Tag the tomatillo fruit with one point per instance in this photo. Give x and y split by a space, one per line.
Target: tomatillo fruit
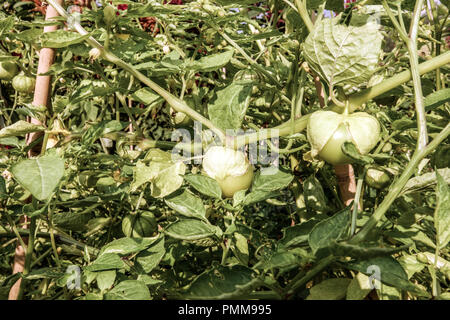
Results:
139 225
328 130
377 179
230 168
23 84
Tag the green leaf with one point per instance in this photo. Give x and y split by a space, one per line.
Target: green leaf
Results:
314 195
350 150
212 62
61 38
149 258
190 229
222 282
129 290
359 287
40 176
164 175
442 212
105 279
146 96
107 261
6 24
97 130
436 99
363 252
205 185
272 182
20 128
343 54
425 180
240 248
329 289
297 235
329 230
125 246
228 109
390 273
188 205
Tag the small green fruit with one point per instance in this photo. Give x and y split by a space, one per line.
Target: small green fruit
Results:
328 130
23 84
139 225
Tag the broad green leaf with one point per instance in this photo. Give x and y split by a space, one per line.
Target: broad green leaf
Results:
222 283
186 204
442 213
107 261
343 54
168 179
74 220
40 176
329 289
259 195
329 230
388 271
146 96
228 109
297 235
212 62
164 175
149 258
61 38
125 246
20 128
425 180
105 279
205 185
314 195
129 290
6 24
190 229
97 130
272 182
278 259
410 264
240 248
436 99
359 287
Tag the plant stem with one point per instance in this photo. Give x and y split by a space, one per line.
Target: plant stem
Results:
309 275
303 11
422 139
397 187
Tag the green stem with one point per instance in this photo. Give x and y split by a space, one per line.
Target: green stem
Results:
397 187
357 200
296 284
303 11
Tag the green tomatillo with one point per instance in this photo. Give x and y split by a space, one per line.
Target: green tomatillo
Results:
139 225
328 130
230 168
23 83
376 178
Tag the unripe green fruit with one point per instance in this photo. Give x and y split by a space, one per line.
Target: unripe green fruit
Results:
139 225
109 15
8 70
377 178
328 130
23 84
230 168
